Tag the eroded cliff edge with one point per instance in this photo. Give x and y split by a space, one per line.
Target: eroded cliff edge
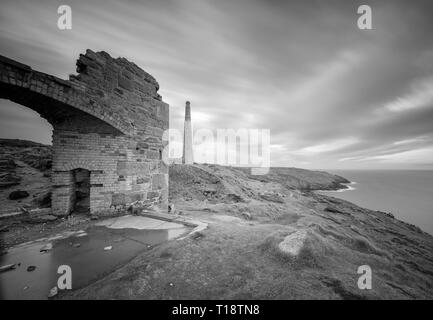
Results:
268 237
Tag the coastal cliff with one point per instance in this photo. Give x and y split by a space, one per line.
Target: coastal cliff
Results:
268 237
273 237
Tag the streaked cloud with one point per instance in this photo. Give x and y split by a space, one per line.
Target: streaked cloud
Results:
420 96
329 146
330 93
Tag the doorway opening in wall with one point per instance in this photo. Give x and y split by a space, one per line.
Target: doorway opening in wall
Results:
81 178
25 158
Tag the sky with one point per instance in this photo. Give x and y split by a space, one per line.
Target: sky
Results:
333 96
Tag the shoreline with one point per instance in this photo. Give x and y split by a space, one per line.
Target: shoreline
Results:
348 187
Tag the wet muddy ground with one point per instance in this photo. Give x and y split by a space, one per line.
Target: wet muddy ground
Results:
91 254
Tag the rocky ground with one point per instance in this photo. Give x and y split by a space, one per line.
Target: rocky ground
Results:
268 237
24 175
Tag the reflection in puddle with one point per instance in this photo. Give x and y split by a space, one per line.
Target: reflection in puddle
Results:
83 252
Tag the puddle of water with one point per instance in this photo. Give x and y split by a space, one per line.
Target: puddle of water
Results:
88 262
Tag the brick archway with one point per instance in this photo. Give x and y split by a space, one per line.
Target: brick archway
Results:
101 119
45 93
78 164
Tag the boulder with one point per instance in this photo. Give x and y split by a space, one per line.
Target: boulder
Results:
293 243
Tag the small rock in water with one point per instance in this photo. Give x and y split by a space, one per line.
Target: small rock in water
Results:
31 268
108 248
46 248
53 292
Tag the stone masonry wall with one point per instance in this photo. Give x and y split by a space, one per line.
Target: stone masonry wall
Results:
115 132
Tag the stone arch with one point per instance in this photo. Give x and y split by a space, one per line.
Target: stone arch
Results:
51 97
77 164
99 116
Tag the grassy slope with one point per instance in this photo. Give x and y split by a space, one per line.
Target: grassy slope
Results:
238 255
248 216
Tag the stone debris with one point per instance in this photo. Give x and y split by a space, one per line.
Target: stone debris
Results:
171 208
8 267
46 248
31 268
108 248
83 234
293 243
24 210
53 292
41 219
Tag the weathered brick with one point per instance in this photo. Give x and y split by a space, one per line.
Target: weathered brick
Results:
113 128
118 199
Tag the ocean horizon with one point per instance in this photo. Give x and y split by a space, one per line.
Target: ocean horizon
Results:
407 194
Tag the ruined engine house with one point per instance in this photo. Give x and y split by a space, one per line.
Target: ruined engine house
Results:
108 122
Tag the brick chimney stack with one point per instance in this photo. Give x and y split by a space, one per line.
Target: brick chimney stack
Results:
187 157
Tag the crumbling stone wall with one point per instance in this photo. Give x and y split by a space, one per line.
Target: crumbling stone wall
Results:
108 119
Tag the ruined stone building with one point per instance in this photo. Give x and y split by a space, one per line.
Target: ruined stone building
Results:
108 123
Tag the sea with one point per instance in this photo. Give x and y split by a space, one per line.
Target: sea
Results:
407 194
